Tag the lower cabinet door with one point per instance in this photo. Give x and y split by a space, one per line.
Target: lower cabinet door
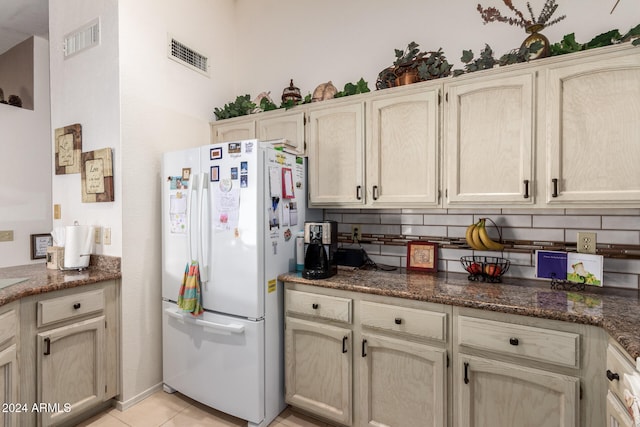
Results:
402 383
71 369
8 386
491 393
318 369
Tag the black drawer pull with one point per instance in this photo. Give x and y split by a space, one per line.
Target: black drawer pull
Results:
398 321
466 373
612 376
364 348
514 341
47 343
375 192
76 305
555 187
314 306
344 344
526 188
359 192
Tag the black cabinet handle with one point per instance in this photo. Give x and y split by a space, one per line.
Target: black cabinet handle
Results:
398 321
344 344
514 341
76 305
612 376
47 343
526 188
359 192
375 192
314 306
364 348
555 187
466 373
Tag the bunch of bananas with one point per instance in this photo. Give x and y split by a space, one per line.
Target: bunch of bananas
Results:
478 238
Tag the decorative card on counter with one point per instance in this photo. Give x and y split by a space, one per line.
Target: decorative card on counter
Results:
551 265
585 268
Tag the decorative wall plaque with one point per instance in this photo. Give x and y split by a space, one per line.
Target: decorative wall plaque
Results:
97 176
68 147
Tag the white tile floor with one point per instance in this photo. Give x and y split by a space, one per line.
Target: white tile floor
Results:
176 410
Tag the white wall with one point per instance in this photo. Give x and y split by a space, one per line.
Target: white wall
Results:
85 90
25 166
165 106
316 41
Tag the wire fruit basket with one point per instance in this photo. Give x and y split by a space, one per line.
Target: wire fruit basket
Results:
485 268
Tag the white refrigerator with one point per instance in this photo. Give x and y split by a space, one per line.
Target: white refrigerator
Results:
235 208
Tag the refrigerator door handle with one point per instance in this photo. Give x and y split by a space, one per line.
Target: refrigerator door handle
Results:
203 217
229 328
193 188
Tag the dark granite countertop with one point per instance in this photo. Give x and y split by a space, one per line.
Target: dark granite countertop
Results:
616 311
40 279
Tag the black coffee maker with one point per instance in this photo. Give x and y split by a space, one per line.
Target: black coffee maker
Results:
321 243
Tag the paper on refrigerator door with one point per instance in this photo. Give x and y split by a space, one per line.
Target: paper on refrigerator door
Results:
178 213
227 207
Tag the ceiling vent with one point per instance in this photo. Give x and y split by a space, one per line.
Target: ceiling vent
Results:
82 39
188 57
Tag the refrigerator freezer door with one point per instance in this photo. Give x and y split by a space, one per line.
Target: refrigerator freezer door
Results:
216 360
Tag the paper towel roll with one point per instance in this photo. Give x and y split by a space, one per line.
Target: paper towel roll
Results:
77 246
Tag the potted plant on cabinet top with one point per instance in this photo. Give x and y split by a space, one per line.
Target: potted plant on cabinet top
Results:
412 65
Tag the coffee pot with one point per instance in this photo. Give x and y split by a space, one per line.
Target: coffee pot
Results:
321 243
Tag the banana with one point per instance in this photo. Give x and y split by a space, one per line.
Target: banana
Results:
486 240
475 237
468 233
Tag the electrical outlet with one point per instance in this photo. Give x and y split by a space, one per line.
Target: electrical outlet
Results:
57 212
107 236
98 235
6 236
356 233
586 242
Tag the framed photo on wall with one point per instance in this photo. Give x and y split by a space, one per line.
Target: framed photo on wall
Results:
422 256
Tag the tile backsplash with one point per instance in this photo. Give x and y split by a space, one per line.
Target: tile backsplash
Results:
385 233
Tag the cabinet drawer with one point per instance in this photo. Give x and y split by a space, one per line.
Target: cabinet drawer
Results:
545 345
69 307
617 364
8 322
321 306
422 323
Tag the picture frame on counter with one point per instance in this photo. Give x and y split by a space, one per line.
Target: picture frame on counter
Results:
39 245
422 256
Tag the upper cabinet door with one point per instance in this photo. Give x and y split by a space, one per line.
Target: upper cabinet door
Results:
593 131
289 126
488 140
336 155
235 130
402 149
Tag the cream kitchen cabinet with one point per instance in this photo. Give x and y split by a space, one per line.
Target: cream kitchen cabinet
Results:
513 370
285 125
402 368
236 129
379 151
336 172
318 355
393 373
9 364
619 364
489 134
69 338
592 129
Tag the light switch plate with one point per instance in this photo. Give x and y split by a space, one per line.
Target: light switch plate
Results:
107 236
6 235
98 235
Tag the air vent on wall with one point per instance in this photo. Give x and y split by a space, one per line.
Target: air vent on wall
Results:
183 54
82 38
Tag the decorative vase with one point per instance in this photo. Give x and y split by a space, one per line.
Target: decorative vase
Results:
536 36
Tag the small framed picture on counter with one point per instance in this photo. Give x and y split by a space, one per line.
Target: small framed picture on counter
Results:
39 244
422 256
